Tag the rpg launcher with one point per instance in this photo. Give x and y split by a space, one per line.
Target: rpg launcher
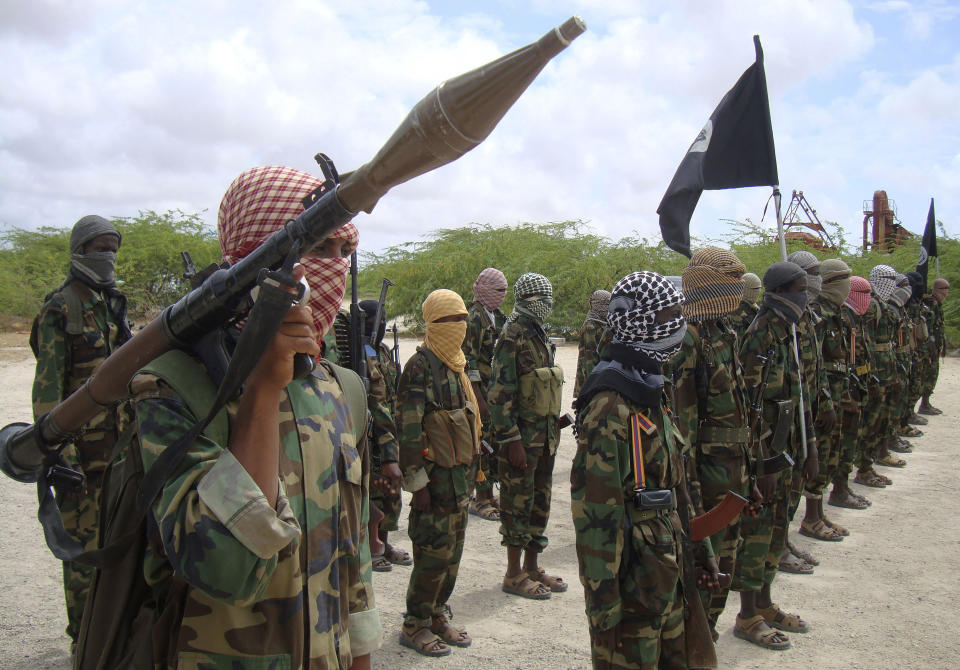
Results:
450 121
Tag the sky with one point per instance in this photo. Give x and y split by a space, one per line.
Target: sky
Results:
114 107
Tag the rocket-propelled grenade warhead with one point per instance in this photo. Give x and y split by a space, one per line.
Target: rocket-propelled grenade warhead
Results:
454 118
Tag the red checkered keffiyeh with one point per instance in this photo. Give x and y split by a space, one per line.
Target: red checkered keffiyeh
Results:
258 203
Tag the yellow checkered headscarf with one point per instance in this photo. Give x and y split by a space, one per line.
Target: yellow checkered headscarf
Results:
445 340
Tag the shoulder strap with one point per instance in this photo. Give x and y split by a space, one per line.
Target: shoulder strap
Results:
190 381
356 395
436 371
71 296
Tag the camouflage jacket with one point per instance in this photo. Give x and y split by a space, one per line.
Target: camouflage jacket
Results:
816 388
921 331
743 316
711 403
255 579
902 340
835 334
642 566
65 362
380 397
591 334
767 356
391 375
860 362
523 346
880 327
933 312
479 341
418 394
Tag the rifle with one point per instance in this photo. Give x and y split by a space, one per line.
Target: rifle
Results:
395 352
357 348
450 121
378 315
696 628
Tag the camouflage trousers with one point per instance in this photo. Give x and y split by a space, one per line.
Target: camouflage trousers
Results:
437 538
851 438
930 372
525 500
722 468
784 508
876 421
764 538
388 503
650 642
829 446
79 512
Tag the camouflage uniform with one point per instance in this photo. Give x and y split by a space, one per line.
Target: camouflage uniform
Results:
935 345
917 336
382 398
765 536
478 345
834 336
816 393
591 334
524 495
879 327
743 316
859 367
628 581
64 363
437 535
250 581
903 354
711 411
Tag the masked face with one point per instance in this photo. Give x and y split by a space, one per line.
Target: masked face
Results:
95 268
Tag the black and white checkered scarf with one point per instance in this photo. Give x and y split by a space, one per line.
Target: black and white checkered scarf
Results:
633 307
533 295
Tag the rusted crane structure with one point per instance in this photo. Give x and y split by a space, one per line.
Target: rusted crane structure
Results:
800 214
885 229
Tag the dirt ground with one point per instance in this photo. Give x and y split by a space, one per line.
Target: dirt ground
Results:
883 598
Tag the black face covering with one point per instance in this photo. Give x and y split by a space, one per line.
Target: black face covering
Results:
94 269
369 308
788 304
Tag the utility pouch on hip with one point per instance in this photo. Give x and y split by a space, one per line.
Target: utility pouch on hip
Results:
781 434
541 391
655 499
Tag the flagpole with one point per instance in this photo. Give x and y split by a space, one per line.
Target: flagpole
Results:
793 326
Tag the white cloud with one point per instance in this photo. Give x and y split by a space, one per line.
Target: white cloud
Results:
151 106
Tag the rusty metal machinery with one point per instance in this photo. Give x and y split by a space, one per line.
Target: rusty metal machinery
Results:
800 214
886 230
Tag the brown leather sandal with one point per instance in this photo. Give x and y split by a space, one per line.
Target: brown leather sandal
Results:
423 641
837 527
523 586
449 633
552 582
819 530
756 630
777 618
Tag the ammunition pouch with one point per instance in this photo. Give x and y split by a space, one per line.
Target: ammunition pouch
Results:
449 436
862 369
660 500
883 346
775 464
541 391
781 433
726 435
838 367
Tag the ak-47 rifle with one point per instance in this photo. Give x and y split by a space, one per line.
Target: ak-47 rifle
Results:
781 460
358 354
395 352
701 653
379 314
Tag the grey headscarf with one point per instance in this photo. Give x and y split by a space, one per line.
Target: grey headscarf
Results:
751 287
807 260
790 304
96 268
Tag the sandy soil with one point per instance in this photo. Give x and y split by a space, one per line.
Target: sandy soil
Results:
883 598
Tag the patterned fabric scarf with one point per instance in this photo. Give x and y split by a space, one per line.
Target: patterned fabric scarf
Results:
807 260
883 279
941 288
751 288
711 284
901 293
633 311
490 288
836 280
859 298
445 340
533 295
258 203
599 302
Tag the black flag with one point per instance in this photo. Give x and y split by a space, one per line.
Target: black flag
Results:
734 149
928 249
